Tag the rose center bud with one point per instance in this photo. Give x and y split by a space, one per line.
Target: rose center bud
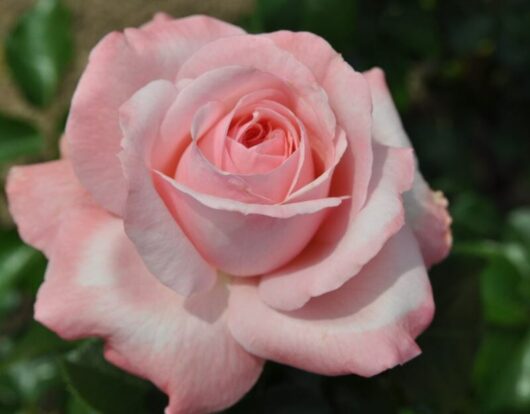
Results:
265 131
254 129
253 132
254 135
257 137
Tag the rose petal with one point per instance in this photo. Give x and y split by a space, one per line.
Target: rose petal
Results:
38 197
118 66
240 238
312 104
202 100
348 96
197 173
202 166
320 187
282 211
346 241
243 160
365 327
427 214
164 247
426 210
97 285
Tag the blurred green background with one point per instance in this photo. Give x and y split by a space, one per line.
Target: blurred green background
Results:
460 73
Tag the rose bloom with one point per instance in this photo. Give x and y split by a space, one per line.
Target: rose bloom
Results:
225 199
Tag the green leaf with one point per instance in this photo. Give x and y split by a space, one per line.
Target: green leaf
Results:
497 345
37 341
9 396
502 302
491 250
101 386
474 216
519 226
518 231
19 263
39 49
33 378
10 299
18 138
511 390
78 406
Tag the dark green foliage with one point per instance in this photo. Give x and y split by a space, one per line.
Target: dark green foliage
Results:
17 139
39 49
100 387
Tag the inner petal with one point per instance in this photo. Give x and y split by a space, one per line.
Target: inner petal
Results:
241 160
259 150
274 145
253 133
263 122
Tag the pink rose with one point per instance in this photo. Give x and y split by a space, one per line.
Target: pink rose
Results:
226 198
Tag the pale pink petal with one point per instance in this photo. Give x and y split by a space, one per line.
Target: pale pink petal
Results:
118 66
202 167
282 211
97 285
245 160
160 241
426 210
428 216
365 327
240 238
39 195
312 103
202 100
348 96
320 187
197 173
272 147
311 50
346 241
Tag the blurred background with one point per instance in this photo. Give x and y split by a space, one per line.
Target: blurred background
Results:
460 74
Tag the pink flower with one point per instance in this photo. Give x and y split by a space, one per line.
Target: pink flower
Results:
226 198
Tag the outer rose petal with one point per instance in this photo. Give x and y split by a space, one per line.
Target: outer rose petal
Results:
427 214
346 241
365 327
97 285
120 65
426 210
164 247
39 195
